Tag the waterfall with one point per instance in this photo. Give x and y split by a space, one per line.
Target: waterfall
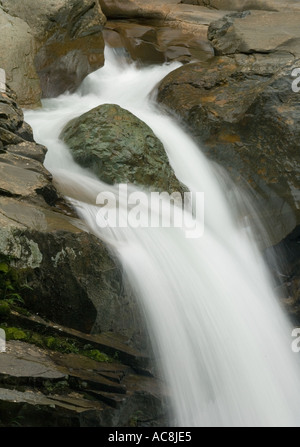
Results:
221 338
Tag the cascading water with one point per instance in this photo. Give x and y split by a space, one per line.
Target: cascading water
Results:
221 338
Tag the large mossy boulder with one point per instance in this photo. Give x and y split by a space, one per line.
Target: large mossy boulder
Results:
120 148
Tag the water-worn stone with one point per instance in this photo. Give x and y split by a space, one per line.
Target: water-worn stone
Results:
28 149
159 31
157 43
62 43
73 49
120 148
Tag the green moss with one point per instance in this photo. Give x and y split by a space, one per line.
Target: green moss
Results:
20 310
4 309
54 343
58 344
13 333
96 355
59 387
135 418
10 283
36 339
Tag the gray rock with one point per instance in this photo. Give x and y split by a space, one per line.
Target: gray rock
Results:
120 148
28 149
15 181
42 17
68 390
22 361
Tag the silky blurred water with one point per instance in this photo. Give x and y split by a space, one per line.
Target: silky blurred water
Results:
222 341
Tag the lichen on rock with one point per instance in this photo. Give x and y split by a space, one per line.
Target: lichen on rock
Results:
120 148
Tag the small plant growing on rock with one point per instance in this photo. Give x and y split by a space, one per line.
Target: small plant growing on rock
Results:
10 288
8 282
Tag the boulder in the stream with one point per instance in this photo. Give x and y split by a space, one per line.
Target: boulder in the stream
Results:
120 148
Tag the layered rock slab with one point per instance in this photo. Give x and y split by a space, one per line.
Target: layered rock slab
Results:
42 388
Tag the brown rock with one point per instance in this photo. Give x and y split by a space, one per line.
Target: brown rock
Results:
167 12
245 115
273 32
156 43
62 43
74 47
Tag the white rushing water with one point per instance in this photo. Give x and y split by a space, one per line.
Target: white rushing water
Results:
222 340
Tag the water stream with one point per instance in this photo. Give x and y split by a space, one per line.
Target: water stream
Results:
222 340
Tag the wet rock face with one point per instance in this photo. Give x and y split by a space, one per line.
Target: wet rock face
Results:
159 31
62 43
287 273
120 148
241 107
244 113
73 49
